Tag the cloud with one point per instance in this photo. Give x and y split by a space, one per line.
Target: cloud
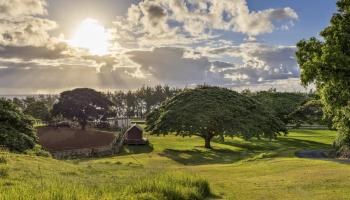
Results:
183 19
34 52
33 77
260 62
258 67
175 42
172 67
22 7
22 23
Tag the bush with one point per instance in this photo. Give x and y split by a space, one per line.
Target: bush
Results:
16 129
103 125
38 151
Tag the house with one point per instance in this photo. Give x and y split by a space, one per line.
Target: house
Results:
134 136
65 143
119 122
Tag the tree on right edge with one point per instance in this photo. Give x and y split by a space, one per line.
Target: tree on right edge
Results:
326 64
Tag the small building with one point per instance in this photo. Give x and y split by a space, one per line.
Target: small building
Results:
119 122
135 136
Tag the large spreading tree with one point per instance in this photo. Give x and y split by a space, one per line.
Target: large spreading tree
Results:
16 129
212 111
326 63
82 105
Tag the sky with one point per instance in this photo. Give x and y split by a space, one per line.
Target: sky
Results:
48 46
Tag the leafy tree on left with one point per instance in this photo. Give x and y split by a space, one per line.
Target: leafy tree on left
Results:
16 129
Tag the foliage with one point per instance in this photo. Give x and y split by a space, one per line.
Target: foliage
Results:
211 111
16 129
38 151
103 125
311 113
326 63
82 105
38 107
38 110
281 104
135 104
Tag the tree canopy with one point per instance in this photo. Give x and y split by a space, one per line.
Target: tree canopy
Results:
82 105
38 110
16 129
326 63
281 104
212 111
310 112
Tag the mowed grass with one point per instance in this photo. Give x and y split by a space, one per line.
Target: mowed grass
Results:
179 168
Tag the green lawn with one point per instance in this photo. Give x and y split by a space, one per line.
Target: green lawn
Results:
235 169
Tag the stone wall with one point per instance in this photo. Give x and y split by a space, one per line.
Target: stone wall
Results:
86 152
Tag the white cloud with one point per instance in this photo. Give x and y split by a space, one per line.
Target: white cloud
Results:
182 19
260 62
22 7
21 23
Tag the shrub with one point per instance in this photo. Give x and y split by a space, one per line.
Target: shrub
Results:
38 151
103 125
16 129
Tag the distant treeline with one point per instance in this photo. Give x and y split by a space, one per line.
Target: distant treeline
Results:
130 103
290 107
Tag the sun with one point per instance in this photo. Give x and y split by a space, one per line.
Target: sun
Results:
92 36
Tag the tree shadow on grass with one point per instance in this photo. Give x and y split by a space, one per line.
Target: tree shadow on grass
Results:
302 144
136 149
283 147
201 157
280 143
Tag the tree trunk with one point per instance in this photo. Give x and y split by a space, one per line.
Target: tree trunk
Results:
207 139
83 125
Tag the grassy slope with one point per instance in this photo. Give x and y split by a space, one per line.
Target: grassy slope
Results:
235 169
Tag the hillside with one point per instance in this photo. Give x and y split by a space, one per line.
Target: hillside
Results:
176 166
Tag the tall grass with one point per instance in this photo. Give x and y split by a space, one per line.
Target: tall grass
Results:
146 186
3 160
169 186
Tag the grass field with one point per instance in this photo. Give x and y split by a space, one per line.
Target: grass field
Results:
175 167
